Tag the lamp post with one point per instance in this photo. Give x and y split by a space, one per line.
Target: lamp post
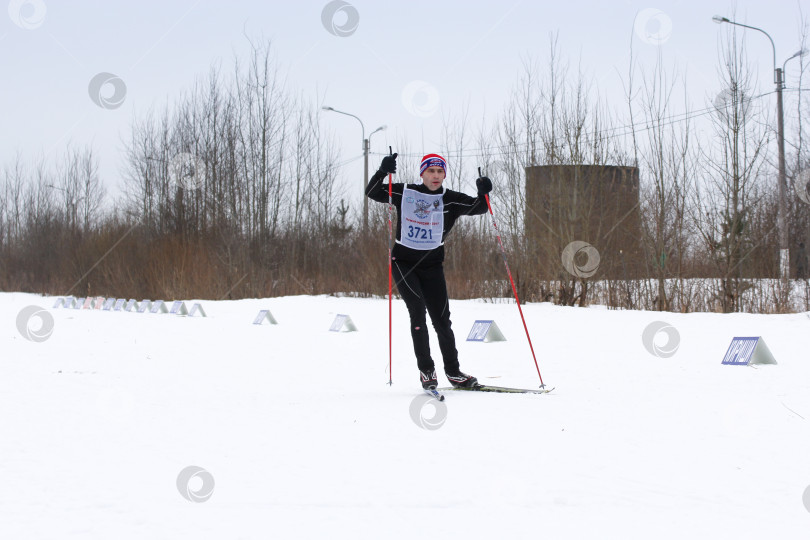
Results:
784 250
797 54
381 128
365 160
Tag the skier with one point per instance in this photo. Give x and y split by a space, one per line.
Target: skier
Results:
425 214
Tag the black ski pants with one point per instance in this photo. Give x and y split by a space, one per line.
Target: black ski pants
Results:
426 289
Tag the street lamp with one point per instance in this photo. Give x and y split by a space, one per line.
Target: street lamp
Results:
365 160
784 250
381 128
797 54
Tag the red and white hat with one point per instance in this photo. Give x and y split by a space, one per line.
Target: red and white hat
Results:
432 160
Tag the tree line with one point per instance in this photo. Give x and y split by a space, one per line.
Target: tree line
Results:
234 190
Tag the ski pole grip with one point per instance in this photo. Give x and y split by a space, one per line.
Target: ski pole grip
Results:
486 196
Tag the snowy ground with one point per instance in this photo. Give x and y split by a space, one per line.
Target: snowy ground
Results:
303 438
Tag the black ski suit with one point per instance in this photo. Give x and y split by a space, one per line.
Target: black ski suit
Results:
419 273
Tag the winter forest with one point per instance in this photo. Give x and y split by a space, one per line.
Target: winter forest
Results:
233 189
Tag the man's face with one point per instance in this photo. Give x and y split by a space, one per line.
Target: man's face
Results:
433 178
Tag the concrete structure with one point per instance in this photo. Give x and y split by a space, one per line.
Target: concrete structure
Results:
597 204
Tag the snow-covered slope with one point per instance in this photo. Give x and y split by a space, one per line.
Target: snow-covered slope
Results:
302 437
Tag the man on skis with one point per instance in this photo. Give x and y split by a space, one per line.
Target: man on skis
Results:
426 213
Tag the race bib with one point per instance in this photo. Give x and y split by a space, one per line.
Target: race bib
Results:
422 220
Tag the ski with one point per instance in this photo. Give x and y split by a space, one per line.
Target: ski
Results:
501 389
434 393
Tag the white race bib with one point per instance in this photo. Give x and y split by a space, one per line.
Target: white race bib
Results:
422 220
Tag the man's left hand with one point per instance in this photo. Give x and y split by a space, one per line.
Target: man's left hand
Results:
484 185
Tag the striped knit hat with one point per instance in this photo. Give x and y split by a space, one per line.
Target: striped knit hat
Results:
432 160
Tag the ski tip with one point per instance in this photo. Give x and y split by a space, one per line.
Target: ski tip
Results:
434 393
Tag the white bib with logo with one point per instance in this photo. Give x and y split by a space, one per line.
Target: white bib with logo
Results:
422 220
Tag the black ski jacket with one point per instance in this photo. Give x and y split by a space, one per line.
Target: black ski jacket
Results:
456 204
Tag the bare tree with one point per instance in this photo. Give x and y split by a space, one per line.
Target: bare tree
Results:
263 110
83 193
733 167
14 187
669 165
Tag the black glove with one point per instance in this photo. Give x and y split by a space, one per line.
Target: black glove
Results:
484 185
389 164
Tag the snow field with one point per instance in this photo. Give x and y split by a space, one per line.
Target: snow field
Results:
304 439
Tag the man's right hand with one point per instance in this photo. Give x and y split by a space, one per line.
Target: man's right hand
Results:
389 164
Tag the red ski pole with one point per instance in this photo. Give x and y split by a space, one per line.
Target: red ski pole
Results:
390 277
514 289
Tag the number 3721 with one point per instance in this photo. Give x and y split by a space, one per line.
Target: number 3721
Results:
419 233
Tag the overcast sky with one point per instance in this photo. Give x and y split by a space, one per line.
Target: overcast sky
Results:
404 64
